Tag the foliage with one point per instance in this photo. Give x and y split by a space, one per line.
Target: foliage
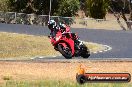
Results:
119 5
43 6
96 8
59 7
21 6
93 8
68 7
4 5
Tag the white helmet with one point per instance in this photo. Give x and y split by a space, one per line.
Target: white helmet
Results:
51 24
62 26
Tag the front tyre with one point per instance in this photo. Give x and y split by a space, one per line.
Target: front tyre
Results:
65 51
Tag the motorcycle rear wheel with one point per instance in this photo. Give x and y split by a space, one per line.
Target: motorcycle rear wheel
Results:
66 52
86 52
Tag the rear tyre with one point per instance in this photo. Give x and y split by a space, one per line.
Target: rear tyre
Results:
86 55
65 51
85 51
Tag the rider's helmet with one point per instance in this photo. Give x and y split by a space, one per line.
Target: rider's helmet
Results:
62 26
51 24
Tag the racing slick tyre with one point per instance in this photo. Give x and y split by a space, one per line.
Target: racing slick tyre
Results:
85 51
65 51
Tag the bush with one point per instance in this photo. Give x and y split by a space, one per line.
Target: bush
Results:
96 8
4 5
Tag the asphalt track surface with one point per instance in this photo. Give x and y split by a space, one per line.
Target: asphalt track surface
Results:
120 41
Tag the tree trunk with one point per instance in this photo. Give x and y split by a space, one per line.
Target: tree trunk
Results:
130 17
125 19
118 18
122 13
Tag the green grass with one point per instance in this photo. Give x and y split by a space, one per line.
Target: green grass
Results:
62 83
22 46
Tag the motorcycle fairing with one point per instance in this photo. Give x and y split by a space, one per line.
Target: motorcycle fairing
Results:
66 42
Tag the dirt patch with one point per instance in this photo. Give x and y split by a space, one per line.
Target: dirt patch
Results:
58 71
109 24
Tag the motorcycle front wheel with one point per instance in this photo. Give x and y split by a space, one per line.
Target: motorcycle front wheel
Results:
65 51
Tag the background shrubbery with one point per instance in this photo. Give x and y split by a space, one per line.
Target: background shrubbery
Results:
91 8
59 7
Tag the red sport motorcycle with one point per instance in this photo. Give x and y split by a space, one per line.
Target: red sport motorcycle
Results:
68 45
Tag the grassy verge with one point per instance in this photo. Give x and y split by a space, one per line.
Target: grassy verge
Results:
20 45
53 83
27 46
39 74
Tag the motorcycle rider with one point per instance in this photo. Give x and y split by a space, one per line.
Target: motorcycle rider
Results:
52 25
63 26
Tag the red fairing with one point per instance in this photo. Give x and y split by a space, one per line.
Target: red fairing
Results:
63 40
67 29
69 42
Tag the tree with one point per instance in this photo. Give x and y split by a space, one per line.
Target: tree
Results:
17 5
59 7
68 7
125 4
96 8
43 6
25 6
4 5
117 5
